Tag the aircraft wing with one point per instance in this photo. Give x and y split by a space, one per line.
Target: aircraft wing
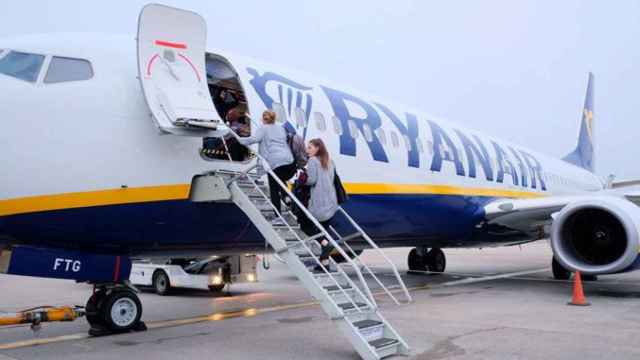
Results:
535 215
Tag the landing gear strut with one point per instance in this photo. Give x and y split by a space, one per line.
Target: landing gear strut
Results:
421 259
561 273
114 309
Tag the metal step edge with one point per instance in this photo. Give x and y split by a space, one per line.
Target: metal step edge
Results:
383 343
367 324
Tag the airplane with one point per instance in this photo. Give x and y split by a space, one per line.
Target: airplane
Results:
102 144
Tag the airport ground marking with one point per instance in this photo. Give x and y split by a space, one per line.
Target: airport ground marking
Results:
250 312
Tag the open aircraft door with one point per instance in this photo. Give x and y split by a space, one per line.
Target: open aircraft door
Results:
171 68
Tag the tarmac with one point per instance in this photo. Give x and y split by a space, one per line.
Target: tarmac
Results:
498 303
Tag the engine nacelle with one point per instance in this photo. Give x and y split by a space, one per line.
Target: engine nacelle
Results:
597 236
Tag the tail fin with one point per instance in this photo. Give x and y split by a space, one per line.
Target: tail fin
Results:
583 155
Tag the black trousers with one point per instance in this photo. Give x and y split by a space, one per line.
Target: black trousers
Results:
284 173
310 229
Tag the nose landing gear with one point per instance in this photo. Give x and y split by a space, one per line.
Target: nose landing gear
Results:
423 260
114 309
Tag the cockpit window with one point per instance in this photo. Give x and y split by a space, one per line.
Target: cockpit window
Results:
21 65
63 69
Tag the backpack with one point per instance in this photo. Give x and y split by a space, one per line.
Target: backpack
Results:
298 149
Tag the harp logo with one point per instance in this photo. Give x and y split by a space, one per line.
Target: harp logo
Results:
296 99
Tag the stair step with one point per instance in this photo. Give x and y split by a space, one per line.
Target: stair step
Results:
331 288
350 306
364 324
383 343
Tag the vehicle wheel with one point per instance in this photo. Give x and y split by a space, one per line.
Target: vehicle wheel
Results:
436 260
216 288
93 312
122 310
559 272
589 277
161 282
415 261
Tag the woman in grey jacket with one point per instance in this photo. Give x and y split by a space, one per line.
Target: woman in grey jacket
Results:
275 148
323 203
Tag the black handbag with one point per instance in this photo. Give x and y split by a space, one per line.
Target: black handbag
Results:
341 193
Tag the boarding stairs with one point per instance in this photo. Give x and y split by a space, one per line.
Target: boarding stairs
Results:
353 308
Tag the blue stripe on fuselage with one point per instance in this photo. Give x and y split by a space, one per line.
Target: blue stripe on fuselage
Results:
392 220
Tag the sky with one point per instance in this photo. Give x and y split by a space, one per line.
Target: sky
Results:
516 70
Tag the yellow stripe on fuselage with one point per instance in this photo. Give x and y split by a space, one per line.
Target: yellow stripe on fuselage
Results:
93 198
181 192
373 188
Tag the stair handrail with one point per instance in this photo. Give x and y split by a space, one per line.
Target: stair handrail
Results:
382 253
317 224
371 304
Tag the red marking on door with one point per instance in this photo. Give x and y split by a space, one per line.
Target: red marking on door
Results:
192 66
151 63
171 44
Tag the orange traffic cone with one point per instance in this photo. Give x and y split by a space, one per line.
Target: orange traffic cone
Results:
578 293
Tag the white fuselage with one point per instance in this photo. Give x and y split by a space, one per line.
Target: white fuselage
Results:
93 143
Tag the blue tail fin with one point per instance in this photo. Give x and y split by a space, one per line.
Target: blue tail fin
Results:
583 155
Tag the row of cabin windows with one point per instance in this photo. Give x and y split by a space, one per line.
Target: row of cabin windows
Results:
321 124
27 67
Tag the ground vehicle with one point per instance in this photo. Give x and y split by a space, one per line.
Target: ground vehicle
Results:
212 273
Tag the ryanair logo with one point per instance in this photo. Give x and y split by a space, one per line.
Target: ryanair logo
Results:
588 120
296 99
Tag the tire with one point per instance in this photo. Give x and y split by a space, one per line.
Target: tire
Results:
216 288
436 260
161 282
93 312
415 261
559 272
122 310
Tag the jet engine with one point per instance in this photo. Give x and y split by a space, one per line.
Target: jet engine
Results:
597 236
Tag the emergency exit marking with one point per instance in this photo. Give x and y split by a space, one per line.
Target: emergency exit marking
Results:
171 44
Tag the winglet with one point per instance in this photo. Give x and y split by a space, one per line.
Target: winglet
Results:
583 155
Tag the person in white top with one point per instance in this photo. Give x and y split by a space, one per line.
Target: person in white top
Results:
275 148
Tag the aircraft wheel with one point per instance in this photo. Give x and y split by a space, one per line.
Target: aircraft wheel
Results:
216 288
122 310
436 260
415 261
92 308
559 272
161 282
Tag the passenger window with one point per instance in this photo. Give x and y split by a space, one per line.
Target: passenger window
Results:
382 136
444 153
301 117
353 129
321 124
337 125
407 142
67 69
394 139
368 134
429 147
281 114
21 66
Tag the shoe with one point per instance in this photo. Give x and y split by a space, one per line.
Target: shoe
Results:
319 269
